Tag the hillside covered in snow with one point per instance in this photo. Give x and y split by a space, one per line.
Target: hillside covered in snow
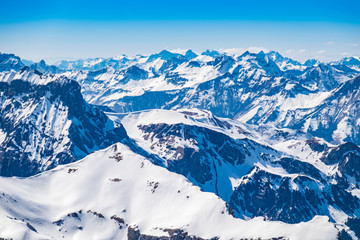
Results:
180 145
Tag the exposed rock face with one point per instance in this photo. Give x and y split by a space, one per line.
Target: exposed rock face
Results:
174 234
43 126
289 199
315 145
347 156
199 153
254 179
134 73
302 196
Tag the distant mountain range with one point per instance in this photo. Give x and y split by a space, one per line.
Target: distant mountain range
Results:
257 88
180 146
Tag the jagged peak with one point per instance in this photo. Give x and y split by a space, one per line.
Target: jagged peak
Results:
311 62
190 54
9 61
247 53
164 55
211 53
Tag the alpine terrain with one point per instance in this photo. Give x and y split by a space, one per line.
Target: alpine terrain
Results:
180 145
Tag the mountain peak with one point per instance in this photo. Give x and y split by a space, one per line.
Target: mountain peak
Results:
164 55
44 68
246 54
211 53
190 54
10 62
63 137
312 62
275 56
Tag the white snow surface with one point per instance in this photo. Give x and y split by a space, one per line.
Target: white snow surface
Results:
100 184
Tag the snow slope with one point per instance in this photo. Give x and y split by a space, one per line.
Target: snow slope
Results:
283 157
105 195
278 174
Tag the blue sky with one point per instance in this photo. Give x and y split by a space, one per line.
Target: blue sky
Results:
79 29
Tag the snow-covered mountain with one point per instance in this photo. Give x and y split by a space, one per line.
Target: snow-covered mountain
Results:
42 126
44 68
10 62
330 115
311 62
208 157
234 162
352 62
93 64
254 87
117 194
203 146
285 63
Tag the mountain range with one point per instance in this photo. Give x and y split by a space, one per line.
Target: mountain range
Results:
180 145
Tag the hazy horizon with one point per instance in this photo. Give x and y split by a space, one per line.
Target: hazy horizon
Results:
231 52
325 30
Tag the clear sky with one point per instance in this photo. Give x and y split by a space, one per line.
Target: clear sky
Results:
71 29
